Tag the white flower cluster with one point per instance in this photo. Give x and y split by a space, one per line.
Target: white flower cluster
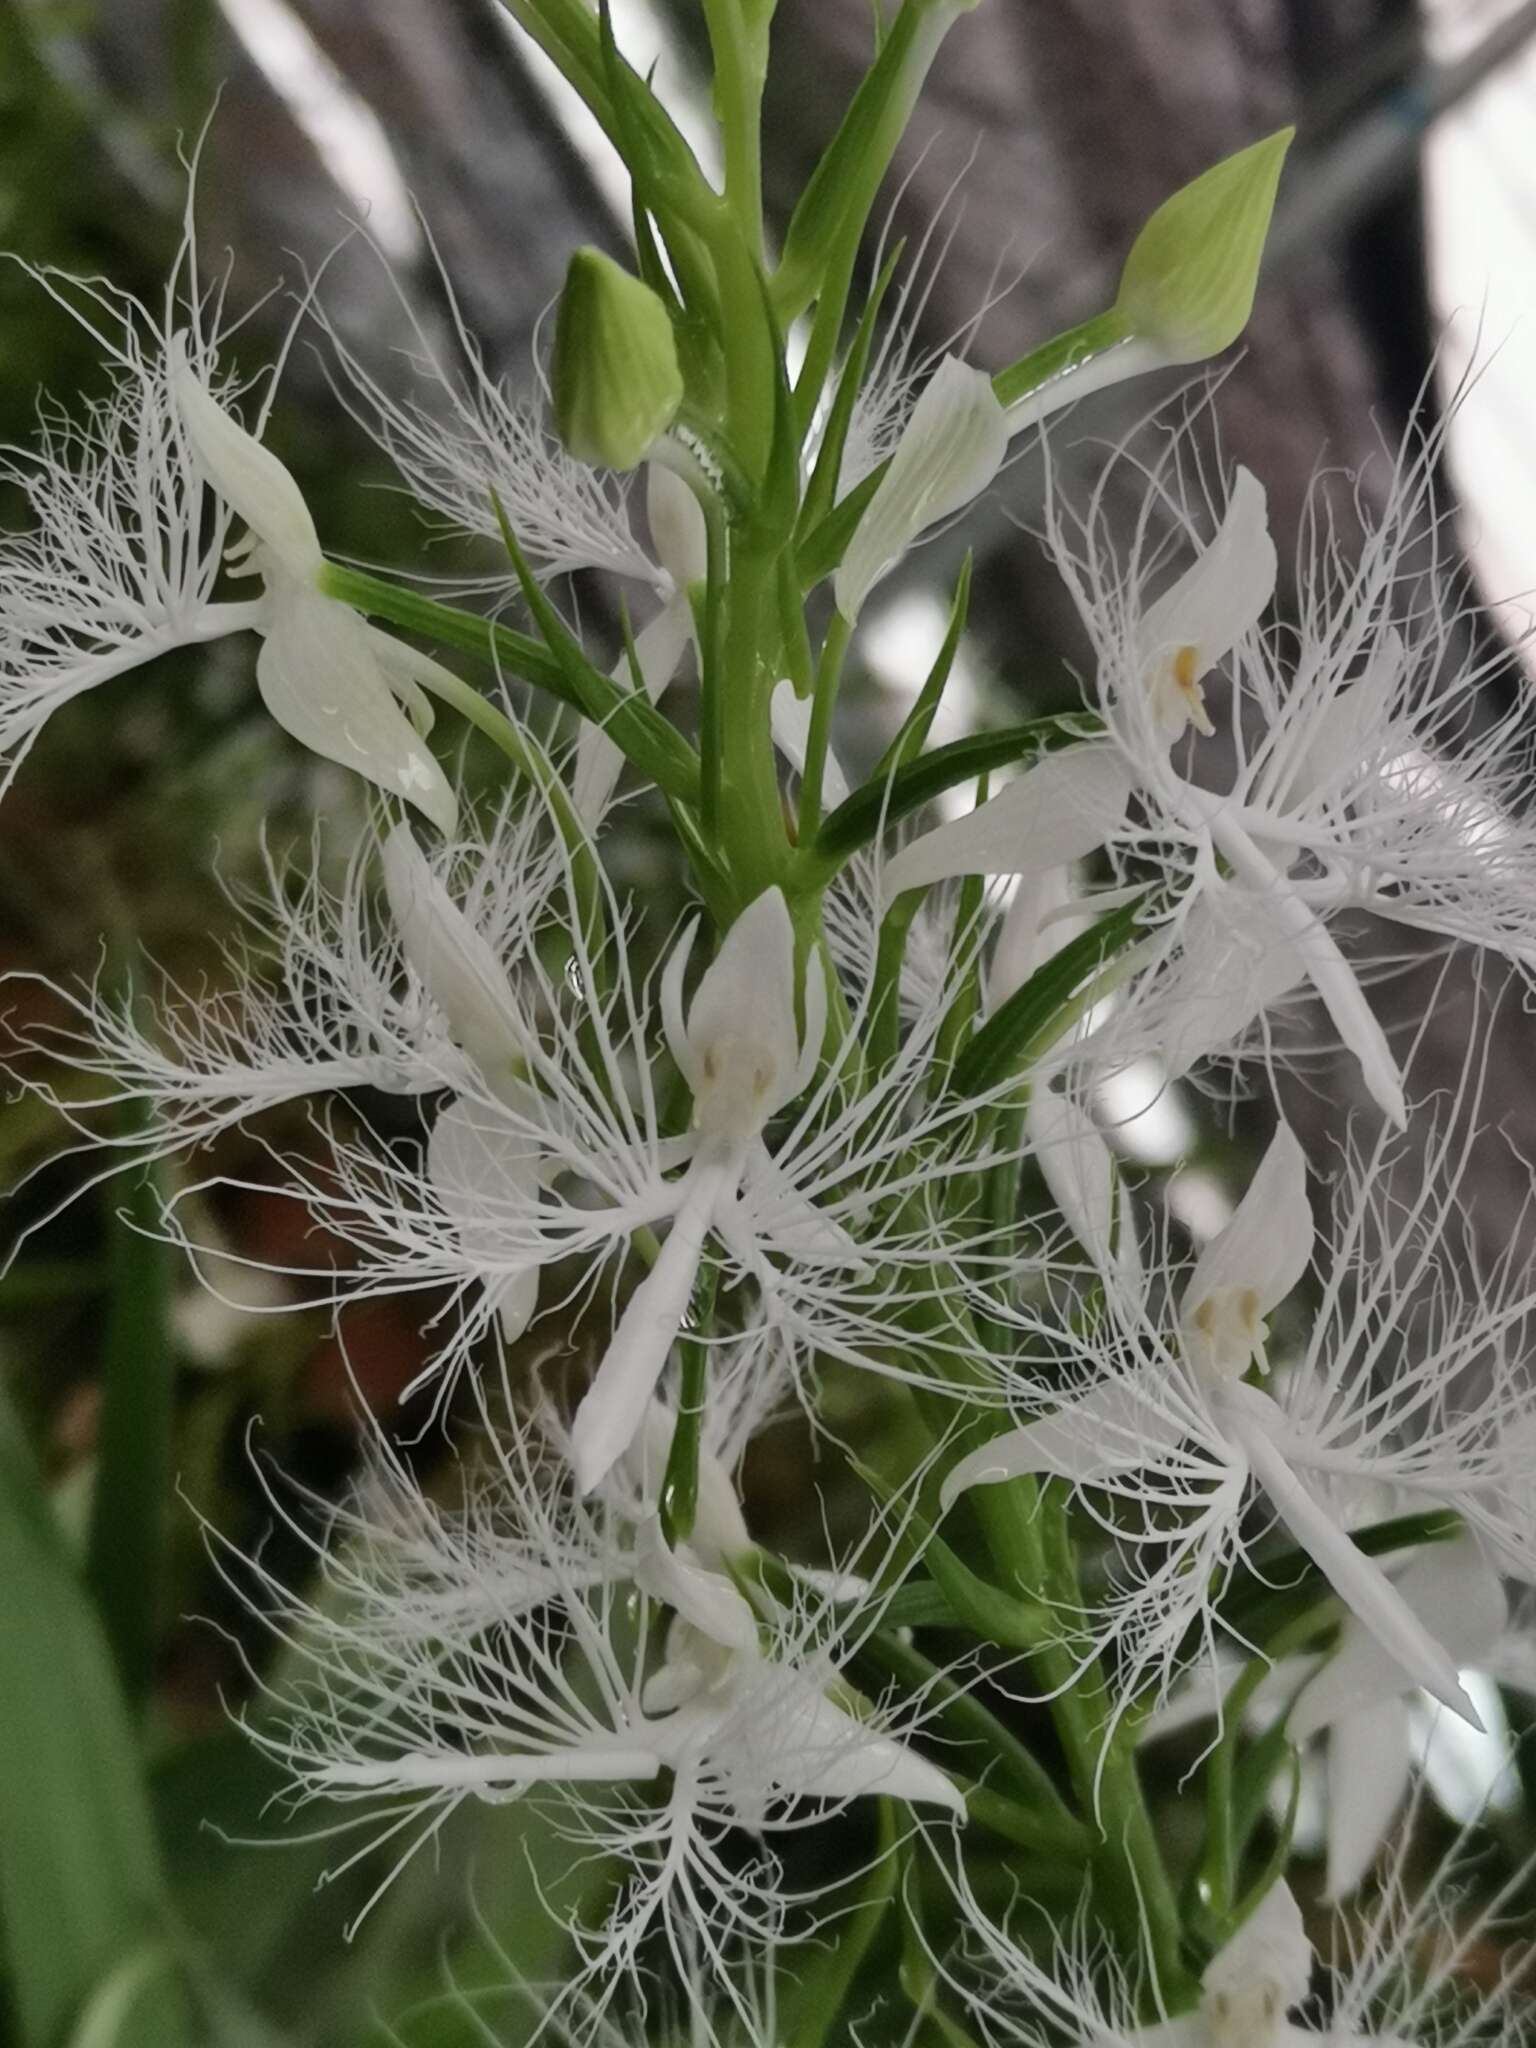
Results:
779 1156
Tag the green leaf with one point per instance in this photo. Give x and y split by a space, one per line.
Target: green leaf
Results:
1035 1015
126 1559
81 1888
883 800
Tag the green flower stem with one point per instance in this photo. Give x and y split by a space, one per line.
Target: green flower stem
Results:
828 675
824 1991
750 824
740 65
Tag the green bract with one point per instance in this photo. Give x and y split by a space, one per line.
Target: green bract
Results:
617 385
1188 283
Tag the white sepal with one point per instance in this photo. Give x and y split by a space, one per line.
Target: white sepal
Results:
1198 621
1252 1264
839 1757
742 1038
453 961
1084 1180
1055 813
320 680
247 476
1370 1769
678 533
704 1598
951 449
659 648
1269 1951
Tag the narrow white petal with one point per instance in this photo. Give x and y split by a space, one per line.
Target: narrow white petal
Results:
790 720
1199 620
1058 811
483 1176
950 450
1357 1579
1033 931
1370 1767
1108 1430
659 647
1460 1600
248 477
1234 962
322 682
1266 1246
453 962
614 1406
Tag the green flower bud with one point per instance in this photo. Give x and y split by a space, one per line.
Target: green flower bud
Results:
617 385
1188 283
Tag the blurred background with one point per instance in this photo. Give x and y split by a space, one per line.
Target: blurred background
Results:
1404 257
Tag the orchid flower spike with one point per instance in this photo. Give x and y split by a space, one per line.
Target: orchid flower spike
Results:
478 1652
1169 1426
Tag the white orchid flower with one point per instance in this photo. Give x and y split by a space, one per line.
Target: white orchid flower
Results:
1396 1974
1167 1426
744 1057
477 1653
1358 783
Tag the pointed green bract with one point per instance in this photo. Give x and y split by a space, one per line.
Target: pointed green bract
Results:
617 384
1188 283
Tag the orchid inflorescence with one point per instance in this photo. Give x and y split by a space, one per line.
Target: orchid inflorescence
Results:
1276 1490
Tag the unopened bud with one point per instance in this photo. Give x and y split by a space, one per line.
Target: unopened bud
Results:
1187 286
617 385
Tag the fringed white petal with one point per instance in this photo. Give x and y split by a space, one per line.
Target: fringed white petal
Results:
481 1174
322 682
1057 812
951 449
453 962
